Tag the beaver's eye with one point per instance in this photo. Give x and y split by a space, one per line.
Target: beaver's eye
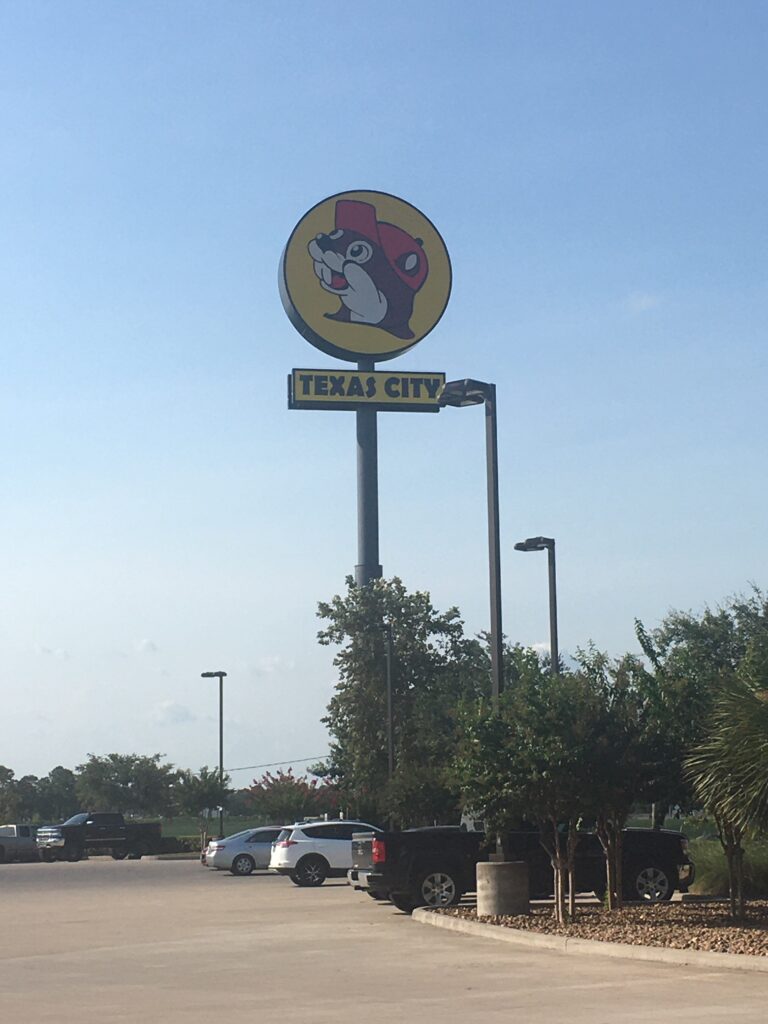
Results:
336 234
360 252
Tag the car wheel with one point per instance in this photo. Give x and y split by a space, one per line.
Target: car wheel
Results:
403 901
242 865
2 855
72 854
47 856
376 895
438 889
650 884
310 871
118 854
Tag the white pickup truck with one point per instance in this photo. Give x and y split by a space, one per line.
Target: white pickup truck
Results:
17 842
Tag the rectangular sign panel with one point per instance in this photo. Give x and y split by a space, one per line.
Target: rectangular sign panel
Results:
396 391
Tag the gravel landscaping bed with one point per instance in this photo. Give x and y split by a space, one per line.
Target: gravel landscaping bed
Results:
674 925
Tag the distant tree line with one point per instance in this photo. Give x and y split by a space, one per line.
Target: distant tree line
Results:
142 786
681 721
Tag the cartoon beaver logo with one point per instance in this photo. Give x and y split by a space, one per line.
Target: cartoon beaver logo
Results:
374 267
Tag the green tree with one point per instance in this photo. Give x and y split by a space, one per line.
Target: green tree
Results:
56 795
134 784
532 761
434 668
282 797
630 738
691 658
27 797
201 792
9 805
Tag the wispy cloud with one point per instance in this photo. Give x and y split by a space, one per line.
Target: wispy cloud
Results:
169 712
270 665
147 647
641 302
52 652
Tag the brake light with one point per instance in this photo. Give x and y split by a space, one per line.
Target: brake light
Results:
379 851
285 843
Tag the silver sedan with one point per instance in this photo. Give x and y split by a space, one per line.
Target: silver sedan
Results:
243 852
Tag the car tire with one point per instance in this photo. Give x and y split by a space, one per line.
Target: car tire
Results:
376 895
403 901
47 856
242 865
311 871
438 887
72 854
649 883
2 855
118 854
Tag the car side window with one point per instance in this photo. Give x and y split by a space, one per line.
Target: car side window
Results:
316 832
269 837
264 837
346 831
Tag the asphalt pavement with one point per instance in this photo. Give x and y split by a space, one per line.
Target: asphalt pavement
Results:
161 942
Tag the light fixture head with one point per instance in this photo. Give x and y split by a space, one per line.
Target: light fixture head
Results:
535 544
459 393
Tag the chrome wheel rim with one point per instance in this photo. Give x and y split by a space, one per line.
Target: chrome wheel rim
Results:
312 872
438 890
652 885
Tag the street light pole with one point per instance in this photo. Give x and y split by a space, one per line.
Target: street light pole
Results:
220 676
540 544
460 393
390 721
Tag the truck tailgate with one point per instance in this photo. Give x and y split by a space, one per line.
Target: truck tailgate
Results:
362 851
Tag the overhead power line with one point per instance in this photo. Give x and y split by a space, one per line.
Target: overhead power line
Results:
276 764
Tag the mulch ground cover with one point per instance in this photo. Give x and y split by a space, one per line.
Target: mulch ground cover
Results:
704 926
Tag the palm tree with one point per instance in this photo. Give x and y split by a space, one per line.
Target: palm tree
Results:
729 772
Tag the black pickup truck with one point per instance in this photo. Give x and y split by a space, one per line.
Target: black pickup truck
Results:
98 831
436 866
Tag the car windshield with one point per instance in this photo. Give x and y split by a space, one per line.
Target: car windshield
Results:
77 819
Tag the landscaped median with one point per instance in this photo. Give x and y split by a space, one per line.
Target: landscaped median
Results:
681 933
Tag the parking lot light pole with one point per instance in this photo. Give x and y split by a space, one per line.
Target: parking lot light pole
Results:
460 393
390 721
548 544
220 676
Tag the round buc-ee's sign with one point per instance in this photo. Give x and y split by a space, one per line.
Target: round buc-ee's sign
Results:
364 275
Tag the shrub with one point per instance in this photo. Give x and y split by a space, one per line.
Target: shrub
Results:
712 868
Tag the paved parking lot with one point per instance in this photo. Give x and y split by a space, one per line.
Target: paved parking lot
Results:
160 941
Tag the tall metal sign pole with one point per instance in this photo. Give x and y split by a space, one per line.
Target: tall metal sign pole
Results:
368 567
364 277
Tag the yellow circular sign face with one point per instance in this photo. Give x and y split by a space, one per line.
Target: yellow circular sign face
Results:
364 276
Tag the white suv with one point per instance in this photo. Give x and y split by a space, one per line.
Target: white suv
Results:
310 852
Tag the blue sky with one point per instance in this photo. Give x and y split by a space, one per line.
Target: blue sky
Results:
598 173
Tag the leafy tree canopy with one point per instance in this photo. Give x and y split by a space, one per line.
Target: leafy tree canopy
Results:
434 668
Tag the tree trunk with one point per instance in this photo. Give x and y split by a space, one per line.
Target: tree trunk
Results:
558 861
571 846
606 835
658 814
739 873
618 873
731 880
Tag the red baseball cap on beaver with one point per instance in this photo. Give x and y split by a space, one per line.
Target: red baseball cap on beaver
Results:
403 252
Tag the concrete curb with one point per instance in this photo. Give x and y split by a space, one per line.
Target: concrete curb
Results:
592 947
183 855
